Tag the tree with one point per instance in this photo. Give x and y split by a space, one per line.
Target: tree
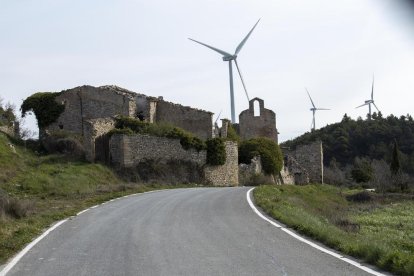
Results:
362 170
395 165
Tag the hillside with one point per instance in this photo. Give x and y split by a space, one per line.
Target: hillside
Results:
372 139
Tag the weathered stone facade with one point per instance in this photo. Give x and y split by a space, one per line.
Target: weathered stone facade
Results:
293 173
227 174
95 139
249 171
129 150
253 174
87 102
261 125
310 157
194 120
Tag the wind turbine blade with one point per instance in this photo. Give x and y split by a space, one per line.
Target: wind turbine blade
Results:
212 48
361 105
241 77
322 109
376 106
245 39
372 91
310 98
218 117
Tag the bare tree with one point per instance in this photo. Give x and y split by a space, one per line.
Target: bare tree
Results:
381 177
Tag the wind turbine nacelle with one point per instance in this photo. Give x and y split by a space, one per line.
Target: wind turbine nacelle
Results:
228 58
367 102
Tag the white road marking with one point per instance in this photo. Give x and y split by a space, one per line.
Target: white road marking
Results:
20 255
28 247
302 239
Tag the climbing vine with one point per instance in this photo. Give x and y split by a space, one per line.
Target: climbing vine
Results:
44 107
269 151
216 151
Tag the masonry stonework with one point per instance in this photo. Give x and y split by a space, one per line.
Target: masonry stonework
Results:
261 125
128 151
310 157
87 102
95 141
197 121
227 174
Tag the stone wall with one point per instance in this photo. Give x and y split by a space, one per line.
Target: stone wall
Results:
95 143
128 151
293 173
227 174
263 125
199 122
310 157
252 174
247 172
88 102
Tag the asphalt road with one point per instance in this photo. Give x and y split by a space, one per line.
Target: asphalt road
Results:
203 231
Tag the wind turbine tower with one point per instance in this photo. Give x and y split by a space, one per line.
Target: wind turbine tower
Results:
232 57
371 101
314 109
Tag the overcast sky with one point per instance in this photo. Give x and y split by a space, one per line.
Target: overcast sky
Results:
331 47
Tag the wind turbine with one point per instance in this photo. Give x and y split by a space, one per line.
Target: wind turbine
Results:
232 57
371 101
313 109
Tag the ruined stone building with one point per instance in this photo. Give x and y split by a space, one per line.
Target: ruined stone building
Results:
257 121
89 115
88 103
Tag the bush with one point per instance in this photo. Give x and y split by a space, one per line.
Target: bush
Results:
216 151
124 131
268 150
362 171
232 134
44 106
13 207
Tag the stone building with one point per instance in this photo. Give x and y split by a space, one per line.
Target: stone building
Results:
306 161
257 121
87 103
89 115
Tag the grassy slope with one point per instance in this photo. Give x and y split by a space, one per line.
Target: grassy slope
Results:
380 232
47 189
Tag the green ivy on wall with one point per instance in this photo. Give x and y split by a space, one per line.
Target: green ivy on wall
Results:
44 107
216 151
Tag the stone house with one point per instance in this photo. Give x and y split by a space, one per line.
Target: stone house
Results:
86 102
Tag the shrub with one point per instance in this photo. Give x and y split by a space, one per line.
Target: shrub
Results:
268 150
216 151
232 134
13 207
44 106
362 170
125 131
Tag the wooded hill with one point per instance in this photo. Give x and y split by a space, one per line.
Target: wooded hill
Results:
372 139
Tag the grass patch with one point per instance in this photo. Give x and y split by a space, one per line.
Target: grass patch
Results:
36 191
378 230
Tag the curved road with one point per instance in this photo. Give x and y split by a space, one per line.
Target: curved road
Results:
201 231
